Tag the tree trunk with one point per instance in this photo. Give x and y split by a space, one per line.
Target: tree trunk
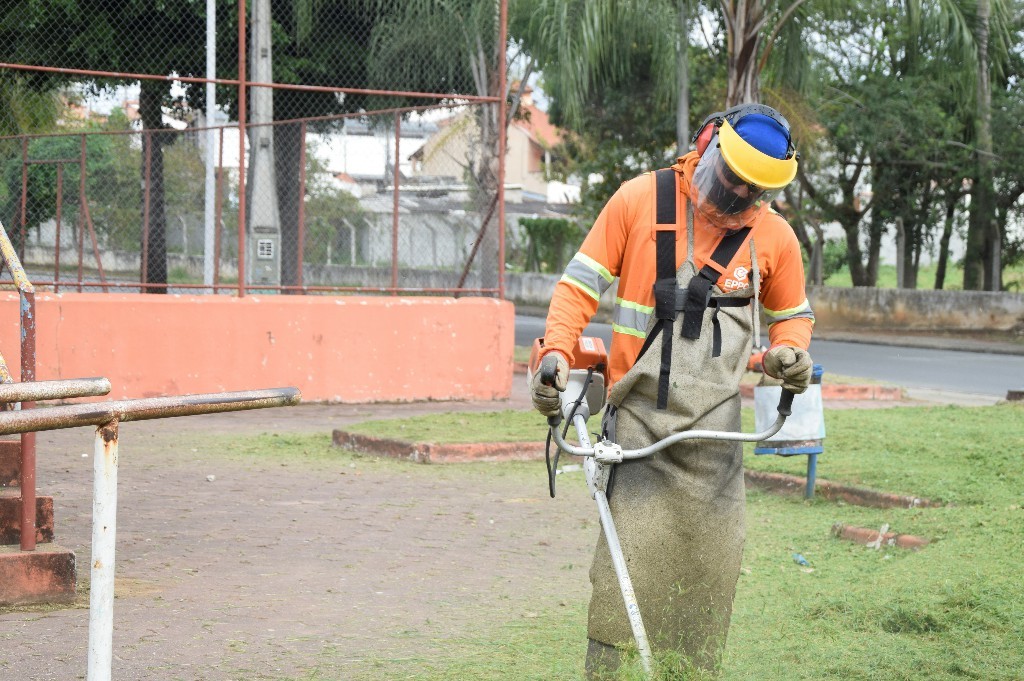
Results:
875 231
683 76
153 140
947 232
744 18
854 258
978 267
287 169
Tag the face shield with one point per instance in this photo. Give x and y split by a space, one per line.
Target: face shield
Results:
724 199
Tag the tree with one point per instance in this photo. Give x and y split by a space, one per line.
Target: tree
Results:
622 132
452 46
133 36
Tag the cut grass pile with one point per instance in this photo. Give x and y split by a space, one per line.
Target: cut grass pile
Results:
950 611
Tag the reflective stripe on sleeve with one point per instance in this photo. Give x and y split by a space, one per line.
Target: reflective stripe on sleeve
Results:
631 318
802 311
588 275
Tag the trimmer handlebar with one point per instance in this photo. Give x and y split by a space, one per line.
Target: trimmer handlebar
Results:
613 452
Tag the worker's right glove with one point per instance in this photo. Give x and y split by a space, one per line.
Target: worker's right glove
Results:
550 379
792 365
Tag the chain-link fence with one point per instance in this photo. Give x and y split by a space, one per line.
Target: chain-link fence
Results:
352 145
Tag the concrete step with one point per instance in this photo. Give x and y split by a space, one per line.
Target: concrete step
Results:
10 463
46 575
10 517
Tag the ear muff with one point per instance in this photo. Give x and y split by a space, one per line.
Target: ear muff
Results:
706 132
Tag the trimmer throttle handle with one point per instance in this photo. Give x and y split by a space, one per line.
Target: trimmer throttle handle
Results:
548 370
786 402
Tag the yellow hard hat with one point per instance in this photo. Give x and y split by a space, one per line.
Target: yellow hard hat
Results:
753 165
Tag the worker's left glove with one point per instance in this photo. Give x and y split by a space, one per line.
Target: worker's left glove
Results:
550 379
792 365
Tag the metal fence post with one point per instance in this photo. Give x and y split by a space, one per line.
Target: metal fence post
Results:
104 529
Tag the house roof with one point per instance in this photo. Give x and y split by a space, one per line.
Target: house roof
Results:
538 126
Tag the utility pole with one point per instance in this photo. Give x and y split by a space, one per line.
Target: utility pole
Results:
264 247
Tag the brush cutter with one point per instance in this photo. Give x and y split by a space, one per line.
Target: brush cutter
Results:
583 397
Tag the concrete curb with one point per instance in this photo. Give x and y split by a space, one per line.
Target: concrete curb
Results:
868 537
423 452
831 391
858 496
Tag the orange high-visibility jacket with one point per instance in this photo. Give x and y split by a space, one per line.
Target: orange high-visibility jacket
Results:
622 244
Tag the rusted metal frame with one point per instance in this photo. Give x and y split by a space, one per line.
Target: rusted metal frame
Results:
241 80
27 314
307 119
147 143
38 391
5 377
95 244
100 413
502 141
389 289
242 113
117 285
394 208
311 289
60 206
24 195
107 417
81 214
83 207
28 440
302 202
218 192
103 553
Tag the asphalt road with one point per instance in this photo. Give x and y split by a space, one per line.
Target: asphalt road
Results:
976 373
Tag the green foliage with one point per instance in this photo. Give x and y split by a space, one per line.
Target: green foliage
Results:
548 243
626 130
833 257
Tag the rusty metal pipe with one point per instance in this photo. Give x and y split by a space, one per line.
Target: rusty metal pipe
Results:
228 81
502 140
394 205
97 414
24 195
53 390
302 205
56 249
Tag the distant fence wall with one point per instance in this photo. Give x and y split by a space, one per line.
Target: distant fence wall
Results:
336 349
916 310
847 308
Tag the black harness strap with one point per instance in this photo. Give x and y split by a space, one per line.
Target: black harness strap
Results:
665 273
669 300
698 292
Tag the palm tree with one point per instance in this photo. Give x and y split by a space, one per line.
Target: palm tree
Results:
452 46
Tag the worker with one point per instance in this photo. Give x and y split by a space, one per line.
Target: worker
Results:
697 249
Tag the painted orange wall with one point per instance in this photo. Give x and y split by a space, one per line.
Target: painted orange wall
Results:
338 349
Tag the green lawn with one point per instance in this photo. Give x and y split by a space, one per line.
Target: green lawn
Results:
1013 278
950 611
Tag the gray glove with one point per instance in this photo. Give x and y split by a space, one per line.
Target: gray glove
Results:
550 379
792 365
